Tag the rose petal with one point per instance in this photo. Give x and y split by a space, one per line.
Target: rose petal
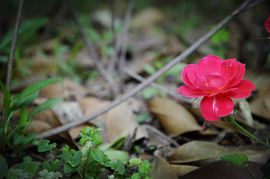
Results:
189 74
217 106
232 71
189 92
267 24
209 65
210 82
242 90
207 109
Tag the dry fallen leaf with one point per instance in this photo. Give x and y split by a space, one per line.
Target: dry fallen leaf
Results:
161 169
261 104
90 105
225 170
66 89
205 152
121 121
147 17
174 118
68 112
183 169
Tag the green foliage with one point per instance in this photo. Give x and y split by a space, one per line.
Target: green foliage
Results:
149 92
221 36
28 30
236 159
44 146
3 167
46 105
144 168
45 174
51 165
16 139
218 42
88 134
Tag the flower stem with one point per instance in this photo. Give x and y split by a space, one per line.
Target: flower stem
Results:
230 119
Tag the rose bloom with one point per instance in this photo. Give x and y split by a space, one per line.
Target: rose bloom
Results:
267 24
217 81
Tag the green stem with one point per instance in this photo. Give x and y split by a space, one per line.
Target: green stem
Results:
230 119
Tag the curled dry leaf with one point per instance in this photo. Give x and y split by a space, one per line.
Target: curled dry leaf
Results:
206 152
162 169
174 118
183 169
261 104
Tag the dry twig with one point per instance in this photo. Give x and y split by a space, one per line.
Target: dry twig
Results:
120 40
12 50
152 78
91 50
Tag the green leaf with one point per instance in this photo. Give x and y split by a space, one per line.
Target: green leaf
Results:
135 161
30 93
46 105
29 167
45 174
98 155
69 168
73 158
7 99
44 146
176 70
51 165
149 92
3 167
27 27
119 167
23 102
221 36
150 70
142 117
236 159
114 155
23 117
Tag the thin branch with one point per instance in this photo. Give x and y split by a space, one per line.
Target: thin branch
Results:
157 86
12 50
112 8
121 37
149 80
91 50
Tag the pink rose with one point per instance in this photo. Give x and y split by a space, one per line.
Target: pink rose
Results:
267 24
217 81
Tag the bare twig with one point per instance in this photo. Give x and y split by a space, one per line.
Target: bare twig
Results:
157 86
91 50
121 38
12 50
149 80
112 2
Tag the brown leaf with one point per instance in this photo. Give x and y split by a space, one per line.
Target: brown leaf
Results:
205 152
183 169
162 169
121 121
174 117
64 90
261 104
68 112
225 170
